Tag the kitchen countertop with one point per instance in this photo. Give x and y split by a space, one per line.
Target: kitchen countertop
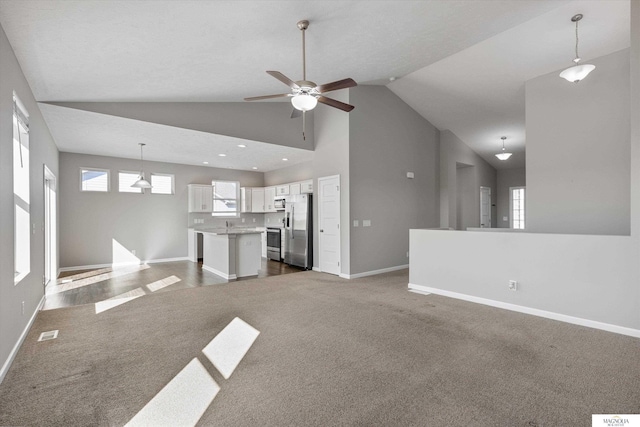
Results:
227 231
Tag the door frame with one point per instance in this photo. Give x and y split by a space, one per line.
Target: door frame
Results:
50 229
319 187
490 219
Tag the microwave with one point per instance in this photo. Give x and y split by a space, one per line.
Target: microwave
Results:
279 204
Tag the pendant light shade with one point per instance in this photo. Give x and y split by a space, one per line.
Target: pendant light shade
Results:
577 72
141 182
503 155
304 102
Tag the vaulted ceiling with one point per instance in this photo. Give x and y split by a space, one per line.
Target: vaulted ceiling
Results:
461 64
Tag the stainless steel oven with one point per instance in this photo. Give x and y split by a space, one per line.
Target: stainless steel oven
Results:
274 244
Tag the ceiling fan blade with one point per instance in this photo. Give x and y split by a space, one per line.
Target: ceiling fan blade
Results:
296 113
284 79
340 84
257 98
336 104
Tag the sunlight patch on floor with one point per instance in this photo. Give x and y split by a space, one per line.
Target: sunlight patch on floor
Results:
117 272
118 300
228 348
182 401
162 283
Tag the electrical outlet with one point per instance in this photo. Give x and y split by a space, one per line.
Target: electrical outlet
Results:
242 219
133 251
513 285
407 254
23 308
356 223
254 220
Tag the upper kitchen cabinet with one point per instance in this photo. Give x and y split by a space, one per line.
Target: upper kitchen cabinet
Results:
257 200
245 200
269 199
200 198
306 186
294 188
282 190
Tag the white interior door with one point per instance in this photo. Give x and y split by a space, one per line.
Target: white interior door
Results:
329 224
50 228
485 207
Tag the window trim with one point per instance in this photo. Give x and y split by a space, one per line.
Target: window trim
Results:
136 173
21 116
218 214
173 183
108 171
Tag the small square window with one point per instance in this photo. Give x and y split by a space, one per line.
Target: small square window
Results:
94 180
126 180
162 184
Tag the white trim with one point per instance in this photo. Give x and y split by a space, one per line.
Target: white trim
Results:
219 273
528 310
374 272
121 264
16 347
316 269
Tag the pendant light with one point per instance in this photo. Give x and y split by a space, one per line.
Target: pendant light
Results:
504 155
577 72
141 182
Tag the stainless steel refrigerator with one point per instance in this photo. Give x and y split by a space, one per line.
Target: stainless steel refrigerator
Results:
298 231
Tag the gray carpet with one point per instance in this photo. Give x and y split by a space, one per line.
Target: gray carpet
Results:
330 352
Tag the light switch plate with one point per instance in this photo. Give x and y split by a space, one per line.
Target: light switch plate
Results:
366 223
356 223
505 218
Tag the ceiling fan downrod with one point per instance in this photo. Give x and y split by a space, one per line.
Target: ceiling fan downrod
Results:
303 25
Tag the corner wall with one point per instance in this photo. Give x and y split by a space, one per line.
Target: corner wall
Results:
387 139
454 153
43 150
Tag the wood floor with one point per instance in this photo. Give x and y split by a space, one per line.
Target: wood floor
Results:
91 286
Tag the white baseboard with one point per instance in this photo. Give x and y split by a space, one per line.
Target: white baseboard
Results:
219 273
316 269
121 264
374 272
528 310
16 347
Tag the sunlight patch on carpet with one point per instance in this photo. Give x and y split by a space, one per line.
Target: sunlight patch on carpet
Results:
228 348
162 283
182 401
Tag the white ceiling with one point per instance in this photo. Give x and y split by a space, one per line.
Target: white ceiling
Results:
219 50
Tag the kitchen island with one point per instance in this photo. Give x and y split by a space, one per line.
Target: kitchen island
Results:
230 252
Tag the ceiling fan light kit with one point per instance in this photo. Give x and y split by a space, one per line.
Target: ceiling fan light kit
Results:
141 182
503 155
577 72
305 94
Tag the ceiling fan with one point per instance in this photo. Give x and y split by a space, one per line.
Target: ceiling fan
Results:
305 94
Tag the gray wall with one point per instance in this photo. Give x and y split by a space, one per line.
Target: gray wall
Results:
331 157
152 224
508 178
387 139
453 153
42 151
294 173
578 169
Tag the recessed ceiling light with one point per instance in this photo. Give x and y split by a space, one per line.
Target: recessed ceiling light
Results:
206 163
242 146
285 159
222 155
255 167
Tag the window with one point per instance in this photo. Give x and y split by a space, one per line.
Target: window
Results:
516 202
225 198
21 197
126 180
94 180
162 183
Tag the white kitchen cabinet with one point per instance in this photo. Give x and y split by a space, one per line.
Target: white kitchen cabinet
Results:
294 188
200 198
257 200
282 190
245 199
306 186
269 198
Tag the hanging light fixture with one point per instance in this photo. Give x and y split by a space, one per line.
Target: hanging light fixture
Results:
141 182
504 155
577 72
